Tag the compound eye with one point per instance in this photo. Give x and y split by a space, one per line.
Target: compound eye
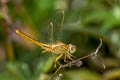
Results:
72 48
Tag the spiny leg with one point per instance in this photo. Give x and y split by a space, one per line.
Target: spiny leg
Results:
47 50
56 60
69 57
65 57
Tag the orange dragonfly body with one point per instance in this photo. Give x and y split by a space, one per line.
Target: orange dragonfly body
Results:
59 48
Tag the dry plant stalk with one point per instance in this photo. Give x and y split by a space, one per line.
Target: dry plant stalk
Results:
6 25
78 62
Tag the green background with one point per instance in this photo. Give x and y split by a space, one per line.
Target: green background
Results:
86 21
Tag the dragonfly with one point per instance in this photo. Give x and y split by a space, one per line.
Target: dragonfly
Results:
58 47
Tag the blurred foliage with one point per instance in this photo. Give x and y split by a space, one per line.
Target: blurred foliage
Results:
85 22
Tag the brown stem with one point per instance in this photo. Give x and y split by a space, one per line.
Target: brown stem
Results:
74 62
7 24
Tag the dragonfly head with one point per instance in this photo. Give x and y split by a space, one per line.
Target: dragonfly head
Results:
72 48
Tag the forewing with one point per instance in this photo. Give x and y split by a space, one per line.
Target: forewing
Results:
57 20
53 27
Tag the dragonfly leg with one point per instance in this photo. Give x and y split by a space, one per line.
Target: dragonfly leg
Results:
47 50
56 60
65 57
69 57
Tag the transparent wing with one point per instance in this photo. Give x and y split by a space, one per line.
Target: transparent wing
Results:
57 21
53 28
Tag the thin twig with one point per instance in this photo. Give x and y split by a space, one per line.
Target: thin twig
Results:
60 67
94 53
98 48
7 24
74 62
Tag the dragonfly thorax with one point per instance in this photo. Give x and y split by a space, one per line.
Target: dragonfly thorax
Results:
61 48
